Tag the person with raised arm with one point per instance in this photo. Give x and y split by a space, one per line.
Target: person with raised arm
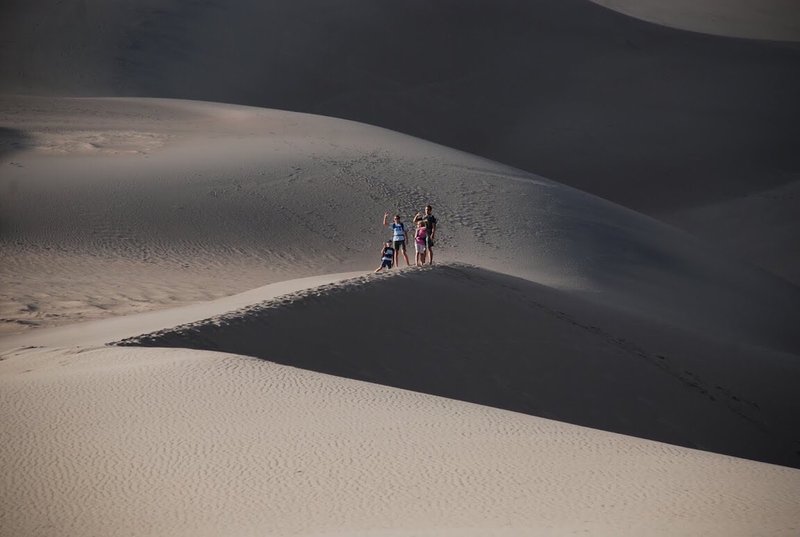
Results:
399 236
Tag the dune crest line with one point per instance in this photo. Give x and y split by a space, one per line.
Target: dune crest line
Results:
466 333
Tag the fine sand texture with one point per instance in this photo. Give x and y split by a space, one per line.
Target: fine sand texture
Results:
469 334
658 119
143 442
193 343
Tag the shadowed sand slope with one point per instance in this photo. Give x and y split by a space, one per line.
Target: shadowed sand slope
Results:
469 334
777 20
125 205
647 116
656 119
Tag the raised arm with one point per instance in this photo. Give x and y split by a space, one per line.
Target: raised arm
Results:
385 219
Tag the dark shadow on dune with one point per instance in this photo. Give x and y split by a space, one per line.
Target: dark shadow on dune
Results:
13 140
647 116
486 338
643 115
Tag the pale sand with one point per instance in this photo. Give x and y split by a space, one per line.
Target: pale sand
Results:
101 332
487 338
178 442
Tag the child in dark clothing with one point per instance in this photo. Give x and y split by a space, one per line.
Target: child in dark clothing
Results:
387 256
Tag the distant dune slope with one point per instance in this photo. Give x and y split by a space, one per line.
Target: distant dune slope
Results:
119 205
469 334
777 20
657 119
569 90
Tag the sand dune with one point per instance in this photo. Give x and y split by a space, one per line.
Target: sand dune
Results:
116 206
199 227
657 119
108 330
777 20
114 441
242 197
486 338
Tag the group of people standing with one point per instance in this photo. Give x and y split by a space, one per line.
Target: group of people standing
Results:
424 233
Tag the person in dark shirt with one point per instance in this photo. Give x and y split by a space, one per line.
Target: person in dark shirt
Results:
430 224
387 256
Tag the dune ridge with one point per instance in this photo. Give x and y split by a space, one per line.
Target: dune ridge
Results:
653 118
469 334
108 329
774 20
241 197
191 342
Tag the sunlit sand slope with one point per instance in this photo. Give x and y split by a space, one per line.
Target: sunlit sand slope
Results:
142 442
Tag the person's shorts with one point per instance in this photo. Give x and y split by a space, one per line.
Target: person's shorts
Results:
420 247
386 264
429 242
399 244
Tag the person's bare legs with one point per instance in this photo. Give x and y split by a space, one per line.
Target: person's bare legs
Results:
404 255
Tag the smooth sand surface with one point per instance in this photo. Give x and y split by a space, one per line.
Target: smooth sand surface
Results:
128 441
654 118
775 20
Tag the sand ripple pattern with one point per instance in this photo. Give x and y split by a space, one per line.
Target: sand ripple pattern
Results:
470 334
175 442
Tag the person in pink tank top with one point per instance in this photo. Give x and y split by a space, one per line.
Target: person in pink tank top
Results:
420 241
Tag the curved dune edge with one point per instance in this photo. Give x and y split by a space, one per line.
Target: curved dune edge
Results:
239 197
175 441
198 443
479 336
103 331
601 101
774 20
